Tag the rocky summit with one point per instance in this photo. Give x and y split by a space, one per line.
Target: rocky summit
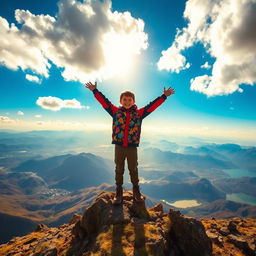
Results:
133 229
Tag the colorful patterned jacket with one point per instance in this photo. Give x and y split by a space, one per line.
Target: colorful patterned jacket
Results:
127 122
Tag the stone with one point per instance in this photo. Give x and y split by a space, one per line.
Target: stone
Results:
232 227
214 226
187 236
241 244
224 231
212 235
50 252
41 227
97 215
158 208
75 218
30 240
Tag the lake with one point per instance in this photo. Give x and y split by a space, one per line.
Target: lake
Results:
239 173
241 198
183 203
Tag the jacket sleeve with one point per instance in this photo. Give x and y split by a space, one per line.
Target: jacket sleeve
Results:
145 111
106 104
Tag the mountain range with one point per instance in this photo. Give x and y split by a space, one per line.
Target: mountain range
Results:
240 157
38 186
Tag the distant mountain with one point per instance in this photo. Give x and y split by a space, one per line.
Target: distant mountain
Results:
71 172
183 162
12 155
204 151
244 158
41 166
168 145
47 143
200 189
246 185
180 176
26 183
221 209
152 175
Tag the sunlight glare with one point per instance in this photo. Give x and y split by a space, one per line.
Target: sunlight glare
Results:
120 53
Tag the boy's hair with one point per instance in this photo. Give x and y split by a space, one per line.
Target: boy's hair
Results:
127 94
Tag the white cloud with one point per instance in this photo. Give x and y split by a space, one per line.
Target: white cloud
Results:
55 104
6 119
72 104
172 60
206 65
20 113
21 54
227 30
37 116
86 39
32 78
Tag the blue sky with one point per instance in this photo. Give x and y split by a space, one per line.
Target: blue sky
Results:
52 49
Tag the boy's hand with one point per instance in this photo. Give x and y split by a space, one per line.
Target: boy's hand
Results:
91 86
169 91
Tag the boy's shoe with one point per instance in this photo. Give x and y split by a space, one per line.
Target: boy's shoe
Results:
118 199
137 195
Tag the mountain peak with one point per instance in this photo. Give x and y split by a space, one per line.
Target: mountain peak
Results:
141 230
133 229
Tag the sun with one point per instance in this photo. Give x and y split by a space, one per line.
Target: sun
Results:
121 52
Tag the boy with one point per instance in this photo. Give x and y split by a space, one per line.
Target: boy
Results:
127 120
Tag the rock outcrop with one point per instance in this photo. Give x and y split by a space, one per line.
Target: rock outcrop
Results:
236 236
133 229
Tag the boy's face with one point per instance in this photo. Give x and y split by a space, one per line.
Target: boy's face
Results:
127 101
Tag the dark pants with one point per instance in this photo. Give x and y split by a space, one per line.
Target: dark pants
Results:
121 153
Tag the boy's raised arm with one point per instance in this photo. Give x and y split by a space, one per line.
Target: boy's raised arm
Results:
148 109
106 104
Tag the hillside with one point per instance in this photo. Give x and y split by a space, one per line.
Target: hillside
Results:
32 210
221 209
70 172
133 229
201 189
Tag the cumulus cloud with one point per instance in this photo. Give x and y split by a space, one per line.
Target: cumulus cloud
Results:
37 116
206 65
172 60
20 54
87 40
55 104
32 78
227 30
6 119
20 113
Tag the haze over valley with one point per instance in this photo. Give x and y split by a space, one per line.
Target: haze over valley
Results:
39 184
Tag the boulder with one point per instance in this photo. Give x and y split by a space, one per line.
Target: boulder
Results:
241 244
184 235
187 236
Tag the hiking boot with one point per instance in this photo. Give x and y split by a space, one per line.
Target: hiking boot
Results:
136 194
119 195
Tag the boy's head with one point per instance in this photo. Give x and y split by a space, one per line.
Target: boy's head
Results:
127 99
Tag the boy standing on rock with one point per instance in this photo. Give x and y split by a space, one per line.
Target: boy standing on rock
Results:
127 120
